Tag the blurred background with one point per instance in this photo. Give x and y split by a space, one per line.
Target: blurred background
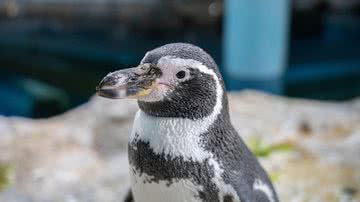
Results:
54 52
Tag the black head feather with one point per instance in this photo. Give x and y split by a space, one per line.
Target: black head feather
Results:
194 98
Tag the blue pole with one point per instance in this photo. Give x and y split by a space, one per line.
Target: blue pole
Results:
255 43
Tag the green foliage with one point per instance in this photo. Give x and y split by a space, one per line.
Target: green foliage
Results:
274 176
5 176
261 149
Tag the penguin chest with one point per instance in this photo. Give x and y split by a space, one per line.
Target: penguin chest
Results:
146 190
169 163
159 177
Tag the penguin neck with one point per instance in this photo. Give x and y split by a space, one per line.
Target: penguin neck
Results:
176 136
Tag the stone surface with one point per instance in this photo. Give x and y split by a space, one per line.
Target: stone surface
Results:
310 148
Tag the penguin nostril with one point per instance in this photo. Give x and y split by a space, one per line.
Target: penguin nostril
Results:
132 79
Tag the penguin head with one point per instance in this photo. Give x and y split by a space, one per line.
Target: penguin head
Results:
174 80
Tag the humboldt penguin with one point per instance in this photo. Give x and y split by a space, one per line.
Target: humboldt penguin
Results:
183 147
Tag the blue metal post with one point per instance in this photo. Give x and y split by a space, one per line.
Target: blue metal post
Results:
255 43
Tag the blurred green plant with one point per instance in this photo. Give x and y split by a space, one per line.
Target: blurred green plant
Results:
274 176
260 149
5 176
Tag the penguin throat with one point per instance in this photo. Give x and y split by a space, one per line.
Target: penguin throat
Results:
186 109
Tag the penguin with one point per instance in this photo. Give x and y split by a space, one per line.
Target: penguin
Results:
183 147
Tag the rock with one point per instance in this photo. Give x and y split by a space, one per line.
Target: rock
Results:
310 149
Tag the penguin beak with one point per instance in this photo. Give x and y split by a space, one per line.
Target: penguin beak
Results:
136 82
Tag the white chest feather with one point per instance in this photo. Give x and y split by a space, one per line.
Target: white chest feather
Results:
174 137
183 190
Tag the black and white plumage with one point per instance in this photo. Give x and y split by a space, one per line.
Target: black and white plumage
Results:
183 147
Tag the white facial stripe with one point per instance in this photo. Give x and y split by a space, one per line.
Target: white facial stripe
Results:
174 64
179 137
259 185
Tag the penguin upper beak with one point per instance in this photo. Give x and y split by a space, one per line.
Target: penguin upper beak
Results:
134 82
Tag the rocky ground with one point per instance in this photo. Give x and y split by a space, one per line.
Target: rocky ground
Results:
311 150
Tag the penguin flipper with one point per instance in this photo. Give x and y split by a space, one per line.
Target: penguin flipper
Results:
129 197
261 196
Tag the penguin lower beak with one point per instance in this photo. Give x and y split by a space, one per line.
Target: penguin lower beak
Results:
134 82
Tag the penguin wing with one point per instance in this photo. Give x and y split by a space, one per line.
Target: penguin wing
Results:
253 184
243 170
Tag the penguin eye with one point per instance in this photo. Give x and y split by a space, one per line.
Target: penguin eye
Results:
181 74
